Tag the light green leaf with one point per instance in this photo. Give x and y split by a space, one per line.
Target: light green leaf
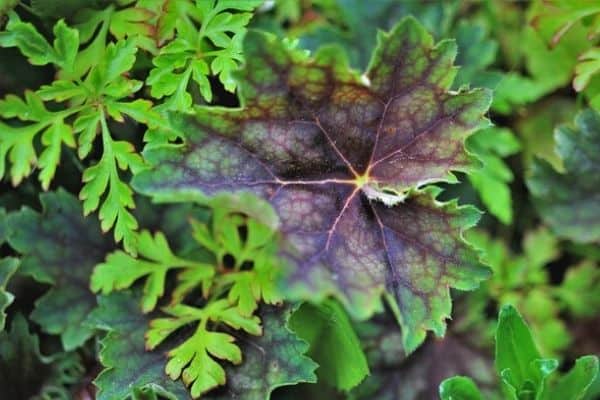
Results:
17 143
589 65
579 289
66 44
139 110
548 69
575 383
518 362
121 270
554 18
333 343
491 181
52 139
275 359
195 360
459 388
217 43
28 40
61 90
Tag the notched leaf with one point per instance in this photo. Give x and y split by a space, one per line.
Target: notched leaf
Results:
275 359
59 247
342 163
128 366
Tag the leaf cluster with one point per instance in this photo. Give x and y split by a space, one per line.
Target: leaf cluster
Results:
240 274
318 226
523 373
524 281
94 94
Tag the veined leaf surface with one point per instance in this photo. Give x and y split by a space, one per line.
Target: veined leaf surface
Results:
341 159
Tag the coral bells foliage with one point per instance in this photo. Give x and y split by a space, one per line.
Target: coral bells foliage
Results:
243 199
343 159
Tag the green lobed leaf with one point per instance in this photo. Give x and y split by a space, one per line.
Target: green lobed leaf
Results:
196 360
59 247
579 289
133 22
28 40
569 202
121 270
104 190
249 242
128 366
17 142
53 138
303 142
230 291
333 343
588 66
275 359
547 69
88 96
491 181
554 18
197 53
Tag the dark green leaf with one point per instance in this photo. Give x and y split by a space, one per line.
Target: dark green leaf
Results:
353 24
8 266
275 359
128 365
477 52
570 202
59 247
27 374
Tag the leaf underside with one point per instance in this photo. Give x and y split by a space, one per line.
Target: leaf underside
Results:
338 159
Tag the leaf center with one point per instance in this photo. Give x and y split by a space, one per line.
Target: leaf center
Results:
361 180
